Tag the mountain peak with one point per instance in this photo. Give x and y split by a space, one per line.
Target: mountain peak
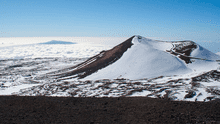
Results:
138 36
139 57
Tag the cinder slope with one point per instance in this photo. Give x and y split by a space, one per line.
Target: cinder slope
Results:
97 62
139 57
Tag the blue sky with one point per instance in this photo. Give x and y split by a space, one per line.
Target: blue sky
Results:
197 20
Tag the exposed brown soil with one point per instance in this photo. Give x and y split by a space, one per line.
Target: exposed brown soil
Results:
123 110
99 61
183 52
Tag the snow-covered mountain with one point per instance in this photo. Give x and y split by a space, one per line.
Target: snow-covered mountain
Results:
139 57
177 70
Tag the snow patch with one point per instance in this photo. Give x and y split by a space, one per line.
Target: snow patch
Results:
11 90
142 93
203 53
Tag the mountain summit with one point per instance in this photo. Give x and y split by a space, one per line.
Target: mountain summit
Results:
139 57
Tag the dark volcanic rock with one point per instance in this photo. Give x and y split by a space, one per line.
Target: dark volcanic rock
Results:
121 110
213 75
99 61
183 49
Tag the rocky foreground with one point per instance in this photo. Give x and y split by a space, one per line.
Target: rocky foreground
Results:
27 78
19 109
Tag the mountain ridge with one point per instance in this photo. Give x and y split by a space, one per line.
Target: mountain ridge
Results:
107 64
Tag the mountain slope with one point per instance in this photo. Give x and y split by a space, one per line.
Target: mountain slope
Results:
140 57
201 52
143 60
97 62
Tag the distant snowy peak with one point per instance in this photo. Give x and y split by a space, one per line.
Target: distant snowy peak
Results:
57 42
218 53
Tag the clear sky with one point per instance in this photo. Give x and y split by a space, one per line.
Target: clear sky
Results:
197 20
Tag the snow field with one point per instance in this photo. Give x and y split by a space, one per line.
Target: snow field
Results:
24 68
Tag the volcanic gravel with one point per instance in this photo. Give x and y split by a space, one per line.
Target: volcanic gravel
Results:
91 110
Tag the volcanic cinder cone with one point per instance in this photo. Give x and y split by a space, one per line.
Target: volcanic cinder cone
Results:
140 57
98 62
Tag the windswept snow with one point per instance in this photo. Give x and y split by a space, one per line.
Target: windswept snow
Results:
203 53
